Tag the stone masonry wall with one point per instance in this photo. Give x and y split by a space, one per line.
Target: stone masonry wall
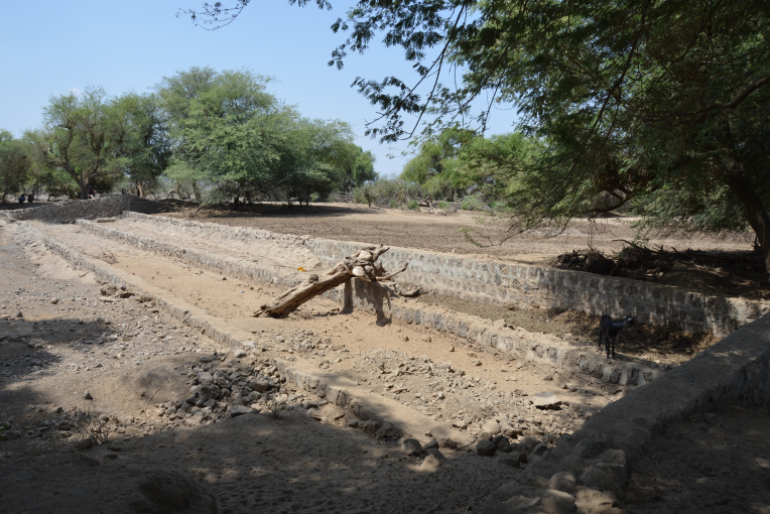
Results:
527 286
375 298
102 207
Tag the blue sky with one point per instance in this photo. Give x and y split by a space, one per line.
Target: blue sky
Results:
53 47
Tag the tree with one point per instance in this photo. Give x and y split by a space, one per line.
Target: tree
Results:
14 164
228 132
140 148
641 102
76 137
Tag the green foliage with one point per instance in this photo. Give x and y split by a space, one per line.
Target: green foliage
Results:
391 192
232 138
15 163
473 203
412 204
661 105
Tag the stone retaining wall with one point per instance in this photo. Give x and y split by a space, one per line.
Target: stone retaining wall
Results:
102 207
601 454
527 286
377 299
597 459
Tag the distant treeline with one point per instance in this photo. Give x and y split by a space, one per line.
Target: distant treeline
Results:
203 134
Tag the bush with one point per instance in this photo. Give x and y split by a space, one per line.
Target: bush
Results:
473 203
387 192
413 205
393 204
443 205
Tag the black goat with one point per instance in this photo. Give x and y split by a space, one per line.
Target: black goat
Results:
608 330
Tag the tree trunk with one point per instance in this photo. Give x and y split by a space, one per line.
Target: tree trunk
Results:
740 184
362 264
139 190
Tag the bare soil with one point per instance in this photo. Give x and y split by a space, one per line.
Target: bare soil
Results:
712 462
76 334
723 264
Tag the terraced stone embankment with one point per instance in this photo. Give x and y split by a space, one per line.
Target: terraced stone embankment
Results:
578 357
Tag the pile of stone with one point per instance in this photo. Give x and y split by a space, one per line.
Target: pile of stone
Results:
220 389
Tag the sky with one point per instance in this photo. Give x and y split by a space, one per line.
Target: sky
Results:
50 48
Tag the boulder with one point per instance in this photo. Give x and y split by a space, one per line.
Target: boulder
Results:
545 400
486 448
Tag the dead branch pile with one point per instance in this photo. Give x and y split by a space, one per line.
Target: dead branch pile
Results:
362 265
644 263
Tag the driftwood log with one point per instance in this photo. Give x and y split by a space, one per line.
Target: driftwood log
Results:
362 265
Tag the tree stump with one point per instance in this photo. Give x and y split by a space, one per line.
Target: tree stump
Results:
362 265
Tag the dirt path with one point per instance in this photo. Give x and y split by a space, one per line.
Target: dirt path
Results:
62 333
128 355
361 350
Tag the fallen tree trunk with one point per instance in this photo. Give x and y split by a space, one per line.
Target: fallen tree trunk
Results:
362 265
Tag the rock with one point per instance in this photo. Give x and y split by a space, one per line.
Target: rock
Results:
164 492
208 358
239 354
237 410
436 453
388 431
433 443
491 426
19 314
595 478
539 450
486 448
539 473
528 443
430 464
545 400
259 385
613 462
459 423
209 391
548 377
587 449
353 423
563 481
502 443
506 428
197 418
55 301
87 395
572 463
411 446
446 442
427 339
600 502
509 459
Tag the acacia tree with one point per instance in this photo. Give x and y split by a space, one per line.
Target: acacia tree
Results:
140 147
76 137
230 133
661 104
14 164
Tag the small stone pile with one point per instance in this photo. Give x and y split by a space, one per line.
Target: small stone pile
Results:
220 389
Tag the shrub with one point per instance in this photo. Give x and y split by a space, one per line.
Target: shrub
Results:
473 203
413 205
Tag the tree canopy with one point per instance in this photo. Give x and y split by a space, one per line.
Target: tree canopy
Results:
660 104
230 134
